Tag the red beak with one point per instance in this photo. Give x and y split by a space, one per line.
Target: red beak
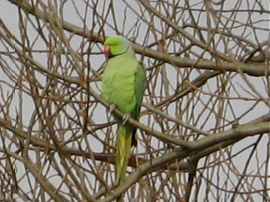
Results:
107 51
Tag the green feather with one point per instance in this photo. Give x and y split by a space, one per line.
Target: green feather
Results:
123 85
122 152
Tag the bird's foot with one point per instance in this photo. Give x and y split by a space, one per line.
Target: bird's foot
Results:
125 118
112 107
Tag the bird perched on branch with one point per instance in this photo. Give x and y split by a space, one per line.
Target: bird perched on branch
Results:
123 85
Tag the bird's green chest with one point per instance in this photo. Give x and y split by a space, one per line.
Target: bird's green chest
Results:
118 85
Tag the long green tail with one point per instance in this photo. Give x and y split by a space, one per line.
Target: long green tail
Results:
122 152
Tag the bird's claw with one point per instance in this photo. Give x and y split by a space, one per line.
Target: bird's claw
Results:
112 107
125 118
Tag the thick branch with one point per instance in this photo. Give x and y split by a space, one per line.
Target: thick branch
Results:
216 141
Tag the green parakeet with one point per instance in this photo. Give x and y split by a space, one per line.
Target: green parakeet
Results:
123 85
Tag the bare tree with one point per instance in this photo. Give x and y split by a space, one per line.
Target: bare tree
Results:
204 129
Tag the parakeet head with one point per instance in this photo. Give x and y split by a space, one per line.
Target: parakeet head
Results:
115 45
